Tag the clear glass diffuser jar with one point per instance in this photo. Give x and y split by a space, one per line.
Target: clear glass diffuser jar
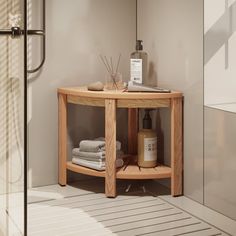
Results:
114 82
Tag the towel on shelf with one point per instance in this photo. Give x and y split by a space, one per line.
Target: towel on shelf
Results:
92 146
95 165
93 155
97 145
100 159
118 143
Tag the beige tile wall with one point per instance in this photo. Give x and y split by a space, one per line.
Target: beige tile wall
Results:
220 162
172 32
77 32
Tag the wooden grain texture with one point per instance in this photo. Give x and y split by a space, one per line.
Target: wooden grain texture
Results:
98 102
121 103
110 136
113 94
176 147
129 172
134 172
84 170
143 103
62 137
132 131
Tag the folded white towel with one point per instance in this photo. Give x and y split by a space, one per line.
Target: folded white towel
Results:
100 159
97 145
118 143
93 155
92 146
95 165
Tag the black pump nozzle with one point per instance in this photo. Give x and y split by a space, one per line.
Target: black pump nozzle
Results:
147 121
139 45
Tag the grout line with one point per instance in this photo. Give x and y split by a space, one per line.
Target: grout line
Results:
93 216
150 218
193 231
122 205
144 226
219 104
120 217
94 204
177 227
53 199
219 109
214 226
212 209
127 210
40 207
135 209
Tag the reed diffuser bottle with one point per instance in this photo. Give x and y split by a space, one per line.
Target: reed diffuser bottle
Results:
139 64
147 143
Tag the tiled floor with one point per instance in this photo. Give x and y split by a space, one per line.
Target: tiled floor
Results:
7 225
54 210
82 209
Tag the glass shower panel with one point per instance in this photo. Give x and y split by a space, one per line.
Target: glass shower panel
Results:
220 105
11 120
219 53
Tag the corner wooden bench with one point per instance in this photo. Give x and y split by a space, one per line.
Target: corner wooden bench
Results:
132 101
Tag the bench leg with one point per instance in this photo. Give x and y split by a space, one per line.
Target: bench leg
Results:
62 138
110 135
176 147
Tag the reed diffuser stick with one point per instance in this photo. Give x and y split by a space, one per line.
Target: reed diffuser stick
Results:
104 64
111 72
110 67
108 64
118 63
113 75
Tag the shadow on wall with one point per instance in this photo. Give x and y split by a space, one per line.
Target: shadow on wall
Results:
85 122
89 123
220 33
152 74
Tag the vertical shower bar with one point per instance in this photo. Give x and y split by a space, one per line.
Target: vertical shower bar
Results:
7 129
25 120
136 21
41 33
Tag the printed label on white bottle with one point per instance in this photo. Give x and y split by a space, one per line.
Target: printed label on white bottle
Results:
150 149
136 70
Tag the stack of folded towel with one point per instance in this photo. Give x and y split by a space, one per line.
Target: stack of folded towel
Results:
92 154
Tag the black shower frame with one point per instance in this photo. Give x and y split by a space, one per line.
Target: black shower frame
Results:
25 119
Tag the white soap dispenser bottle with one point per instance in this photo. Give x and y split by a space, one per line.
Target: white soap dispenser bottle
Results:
139 64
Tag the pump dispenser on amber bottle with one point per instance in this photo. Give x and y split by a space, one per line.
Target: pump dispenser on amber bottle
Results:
147 143
139 64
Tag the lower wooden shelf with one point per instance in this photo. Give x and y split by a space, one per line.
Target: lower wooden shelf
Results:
130 171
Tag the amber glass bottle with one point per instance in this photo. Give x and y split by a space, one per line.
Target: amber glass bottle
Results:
147 143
